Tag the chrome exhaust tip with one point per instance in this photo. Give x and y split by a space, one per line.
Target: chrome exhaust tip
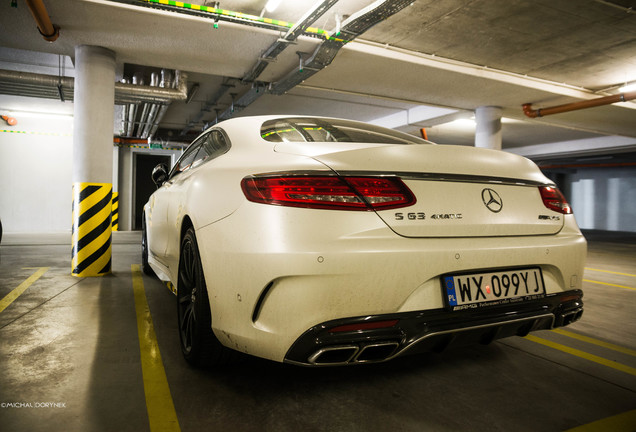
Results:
376 352
334 355
571 316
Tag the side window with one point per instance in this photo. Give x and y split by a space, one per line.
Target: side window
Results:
207 147
186 159
215 145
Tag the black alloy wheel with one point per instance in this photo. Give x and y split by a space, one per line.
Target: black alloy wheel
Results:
199 345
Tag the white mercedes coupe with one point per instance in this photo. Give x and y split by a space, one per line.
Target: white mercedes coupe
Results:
320 241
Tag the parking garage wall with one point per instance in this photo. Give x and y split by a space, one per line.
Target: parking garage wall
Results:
35 173
604 198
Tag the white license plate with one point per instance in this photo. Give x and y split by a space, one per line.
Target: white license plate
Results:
472 291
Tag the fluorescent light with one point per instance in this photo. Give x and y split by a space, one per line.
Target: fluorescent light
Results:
463 123
35 114
628 88
272 5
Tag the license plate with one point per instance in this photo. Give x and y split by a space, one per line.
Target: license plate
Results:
472 291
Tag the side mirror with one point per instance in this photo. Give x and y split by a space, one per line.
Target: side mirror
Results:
160 174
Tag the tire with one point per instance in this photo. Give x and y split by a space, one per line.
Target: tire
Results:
145 267
199 345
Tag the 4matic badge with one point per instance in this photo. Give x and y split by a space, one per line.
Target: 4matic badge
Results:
422 216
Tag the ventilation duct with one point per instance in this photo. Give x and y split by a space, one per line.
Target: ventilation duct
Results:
45 86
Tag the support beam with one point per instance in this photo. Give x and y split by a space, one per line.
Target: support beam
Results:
94 97
488 128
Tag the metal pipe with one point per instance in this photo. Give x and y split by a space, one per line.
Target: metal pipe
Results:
147 109
36 79
46 28
124 93
137 79
166 82
158 118
607 100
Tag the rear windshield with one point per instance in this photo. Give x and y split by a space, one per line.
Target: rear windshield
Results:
300 129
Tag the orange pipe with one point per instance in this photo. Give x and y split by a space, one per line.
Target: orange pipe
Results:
607 100
46 28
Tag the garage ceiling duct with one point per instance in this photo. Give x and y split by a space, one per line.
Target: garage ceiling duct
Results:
154 99
45 86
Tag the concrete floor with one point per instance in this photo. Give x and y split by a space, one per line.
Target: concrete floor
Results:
73 344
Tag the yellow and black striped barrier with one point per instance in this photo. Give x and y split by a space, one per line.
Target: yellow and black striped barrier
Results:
115 211
92 229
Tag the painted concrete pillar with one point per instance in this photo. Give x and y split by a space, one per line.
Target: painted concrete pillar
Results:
488 130
92 160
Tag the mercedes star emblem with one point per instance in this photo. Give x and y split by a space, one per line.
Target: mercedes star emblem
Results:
492 200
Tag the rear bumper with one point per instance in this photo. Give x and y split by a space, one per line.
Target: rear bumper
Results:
429 331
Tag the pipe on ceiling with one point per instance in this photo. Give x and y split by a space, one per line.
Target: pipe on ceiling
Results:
607 100
45 86
324 54
47 29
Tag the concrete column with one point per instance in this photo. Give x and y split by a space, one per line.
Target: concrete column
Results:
488 130
92 160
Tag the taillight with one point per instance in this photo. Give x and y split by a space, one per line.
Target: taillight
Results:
554 199
329 192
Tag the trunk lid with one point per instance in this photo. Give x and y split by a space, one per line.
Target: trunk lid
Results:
460 191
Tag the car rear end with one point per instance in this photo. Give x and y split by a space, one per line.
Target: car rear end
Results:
387 249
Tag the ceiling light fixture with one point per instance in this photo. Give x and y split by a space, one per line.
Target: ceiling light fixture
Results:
39 114
628 88
271 5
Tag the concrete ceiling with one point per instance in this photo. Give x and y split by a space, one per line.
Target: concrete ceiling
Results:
430 65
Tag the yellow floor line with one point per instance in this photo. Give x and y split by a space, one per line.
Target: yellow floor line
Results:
9 298
625 422
609 284
595 342
612 272
161 413
591 357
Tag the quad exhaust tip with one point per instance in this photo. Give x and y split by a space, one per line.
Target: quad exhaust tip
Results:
346 354
570 317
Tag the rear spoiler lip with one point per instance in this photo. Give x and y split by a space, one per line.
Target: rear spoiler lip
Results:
408 175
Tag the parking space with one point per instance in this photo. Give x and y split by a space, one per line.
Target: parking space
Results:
83 354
